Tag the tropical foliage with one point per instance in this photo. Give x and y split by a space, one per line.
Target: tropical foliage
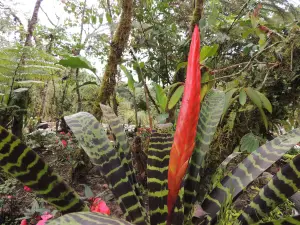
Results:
181 133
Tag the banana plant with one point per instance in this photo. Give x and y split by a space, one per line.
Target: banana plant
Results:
174 166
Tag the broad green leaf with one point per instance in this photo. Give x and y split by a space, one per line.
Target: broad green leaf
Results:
204 90
181 65
242 97
265 101
129 77
88 193
228 102
76 62
94 19
249 143
161 97
108 18
208 51
264 117
173 86
176 97
252 94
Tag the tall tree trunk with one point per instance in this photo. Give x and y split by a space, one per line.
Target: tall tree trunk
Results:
116 50
32 23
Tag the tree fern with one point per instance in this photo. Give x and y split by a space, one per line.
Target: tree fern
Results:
23 67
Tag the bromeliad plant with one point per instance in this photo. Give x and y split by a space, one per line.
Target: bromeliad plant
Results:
174 166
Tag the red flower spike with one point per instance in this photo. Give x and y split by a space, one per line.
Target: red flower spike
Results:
184 138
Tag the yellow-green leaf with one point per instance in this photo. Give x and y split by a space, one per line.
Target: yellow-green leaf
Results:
161 97
130 78
175 97
252 94
228 102
242 97
265 102
264 117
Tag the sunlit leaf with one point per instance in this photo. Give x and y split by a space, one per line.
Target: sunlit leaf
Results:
76 62
252 94
242 97
265 102
129 77
228 102
161 97
208 51
176 97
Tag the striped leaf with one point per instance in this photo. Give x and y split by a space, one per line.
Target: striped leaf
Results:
92 138
157 170
123 147
24 164
86 218
211 111
248 170
279 189
295 220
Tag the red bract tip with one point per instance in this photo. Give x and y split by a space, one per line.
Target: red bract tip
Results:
184 138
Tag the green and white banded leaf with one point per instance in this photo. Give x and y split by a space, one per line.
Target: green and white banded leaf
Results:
124 148
248 170
210 114
283 185
157 171
292 220
87 218
25 165
92 138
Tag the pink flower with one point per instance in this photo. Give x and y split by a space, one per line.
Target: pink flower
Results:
69 134
27 189
9 196
45 217
100 206
64 143
23 222
63 133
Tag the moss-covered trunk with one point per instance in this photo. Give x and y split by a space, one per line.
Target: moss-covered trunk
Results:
117 47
